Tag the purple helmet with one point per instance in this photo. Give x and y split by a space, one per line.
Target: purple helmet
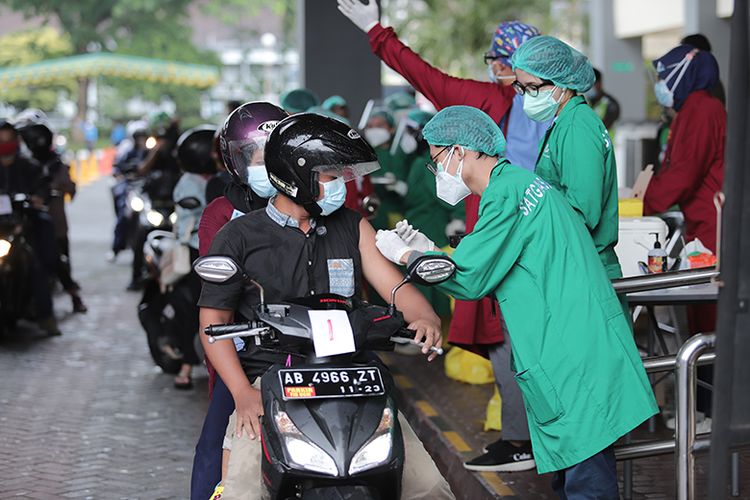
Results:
243 136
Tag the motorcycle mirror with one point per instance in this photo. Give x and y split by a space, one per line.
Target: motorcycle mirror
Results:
426 270
218 269
189 203
371 205
431 270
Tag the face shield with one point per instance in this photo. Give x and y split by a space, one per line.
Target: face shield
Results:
348 172
247 153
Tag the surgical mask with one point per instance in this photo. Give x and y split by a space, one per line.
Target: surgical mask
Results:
334 195
408 143
665 95
451 188
495 78
377 136
542 107
257 178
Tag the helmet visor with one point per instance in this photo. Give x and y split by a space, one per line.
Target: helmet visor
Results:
348 172
247 153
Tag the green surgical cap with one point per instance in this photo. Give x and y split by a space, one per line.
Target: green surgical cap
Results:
551 59
333 101
466 126
385 114
320 110
298 100
400 100
419 117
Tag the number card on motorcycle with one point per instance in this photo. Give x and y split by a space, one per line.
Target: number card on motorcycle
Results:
332 333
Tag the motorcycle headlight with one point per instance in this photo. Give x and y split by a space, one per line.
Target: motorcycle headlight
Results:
154 218
137 204
303 453
5 247
173 218
377 449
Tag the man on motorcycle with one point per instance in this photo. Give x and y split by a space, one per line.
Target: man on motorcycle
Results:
161 170
36 133
124 170
305 243
240 144
194 153
23 175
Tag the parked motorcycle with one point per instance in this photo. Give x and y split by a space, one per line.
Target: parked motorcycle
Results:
330 428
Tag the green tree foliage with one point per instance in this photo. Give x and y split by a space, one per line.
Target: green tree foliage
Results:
30 46
454 34
232 12
93 25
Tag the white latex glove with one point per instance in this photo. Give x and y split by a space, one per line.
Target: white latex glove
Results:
455 227
413 237
363 16
391 246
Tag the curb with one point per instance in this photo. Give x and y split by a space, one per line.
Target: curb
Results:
446 446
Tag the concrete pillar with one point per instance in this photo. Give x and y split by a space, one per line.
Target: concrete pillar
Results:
620 62
335 56
700 17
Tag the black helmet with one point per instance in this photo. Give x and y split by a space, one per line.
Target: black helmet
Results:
37 137
303 145
194 148
244 132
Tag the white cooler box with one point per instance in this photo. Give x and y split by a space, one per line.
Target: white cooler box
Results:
636 240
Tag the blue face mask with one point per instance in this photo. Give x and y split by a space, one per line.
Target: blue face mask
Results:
257 178
334 195
664 96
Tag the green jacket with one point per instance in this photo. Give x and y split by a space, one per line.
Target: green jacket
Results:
391 203
577 158
577 365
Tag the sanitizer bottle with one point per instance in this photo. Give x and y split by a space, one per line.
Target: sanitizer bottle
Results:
657 258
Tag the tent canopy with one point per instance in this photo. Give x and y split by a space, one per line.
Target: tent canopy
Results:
107 64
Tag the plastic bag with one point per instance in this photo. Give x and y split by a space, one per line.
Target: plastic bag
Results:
468 367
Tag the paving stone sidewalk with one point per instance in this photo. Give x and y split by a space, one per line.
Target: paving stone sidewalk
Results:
87 414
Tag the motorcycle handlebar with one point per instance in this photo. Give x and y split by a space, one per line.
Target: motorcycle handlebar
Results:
406 336
214 330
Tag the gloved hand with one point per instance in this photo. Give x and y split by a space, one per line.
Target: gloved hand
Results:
455 227
391 246
413 237
363 16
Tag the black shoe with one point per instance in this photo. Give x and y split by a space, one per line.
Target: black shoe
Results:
135 286
502 456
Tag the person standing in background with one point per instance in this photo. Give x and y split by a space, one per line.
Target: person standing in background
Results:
603 103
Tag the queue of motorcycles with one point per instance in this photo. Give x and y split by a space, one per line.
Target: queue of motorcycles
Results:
330 428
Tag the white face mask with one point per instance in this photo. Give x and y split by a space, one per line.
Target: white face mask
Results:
451 188
377 136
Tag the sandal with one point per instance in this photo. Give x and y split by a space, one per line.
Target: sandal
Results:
183 382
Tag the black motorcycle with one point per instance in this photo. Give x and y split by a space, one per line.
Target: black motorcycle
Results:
152 208
16 260
160 302
331 428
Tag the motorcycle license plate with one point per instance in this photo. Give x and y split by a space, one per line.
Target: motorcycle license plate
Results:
314 383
